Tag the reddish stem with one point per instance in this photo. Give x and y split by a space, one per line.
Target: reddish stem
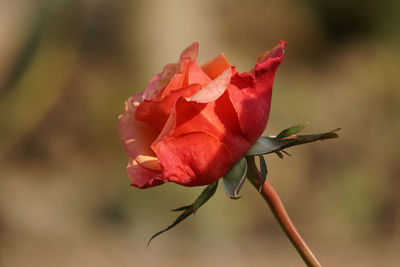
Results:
279 211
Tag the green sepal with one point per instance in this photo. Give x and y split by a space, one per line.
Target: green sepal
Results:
263 171
267 144
205 195
292 130
234 179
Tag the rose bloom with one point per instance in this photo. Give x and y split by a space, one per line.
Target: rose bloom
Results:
193 123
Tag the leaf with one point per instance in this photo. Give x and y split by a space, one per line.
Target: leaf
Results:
263 170
182 208
292 130
265 145
234 179
207 193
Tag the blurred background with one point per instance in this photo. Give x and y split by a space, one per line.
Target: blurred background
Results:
66 68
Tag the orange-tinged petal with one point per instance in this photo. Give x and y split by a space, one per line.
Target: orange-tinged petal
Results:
175 83
161 80
216 66
197 75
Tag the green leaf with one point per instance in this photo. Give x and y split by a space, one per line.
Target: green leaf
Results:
292 130
234 179
182 208
207 193
265 145
263 170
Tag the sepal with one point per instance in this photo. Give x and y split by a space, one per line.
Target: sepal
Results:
233 180
287 138
207 193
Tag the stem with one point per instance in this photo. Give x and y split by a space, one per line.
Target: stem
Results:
279 211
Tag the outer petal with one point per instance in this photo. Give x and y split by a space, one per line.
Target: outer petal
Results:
251 95
216 66
142 177
194 159
136 136
268 63
252 108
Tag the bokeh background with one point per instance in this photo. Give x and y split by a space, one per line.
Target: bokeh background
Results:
66 68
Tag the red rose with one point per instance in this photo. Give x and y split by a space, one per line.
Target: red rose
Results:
193 123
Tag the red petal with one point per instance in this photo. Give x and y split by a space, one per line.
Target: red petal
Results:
156 112
216 66
217 121
264 71
194 159
275 52
136 136
218 118
197 75
252 108
251 96
143 177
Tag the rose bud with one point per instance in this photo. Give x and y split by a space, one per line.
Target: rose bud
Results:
193 123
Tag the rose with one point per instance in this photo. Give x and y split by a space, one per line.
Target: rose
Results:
192 123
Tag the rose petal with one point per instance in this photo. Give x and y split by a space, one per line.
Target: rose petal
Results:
264 71
190 53
176 83
214 89
252 108
148 162
275 52
252 95
156 112
218 118
136 136
162 79
193 159
216 66
197 75
143 177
